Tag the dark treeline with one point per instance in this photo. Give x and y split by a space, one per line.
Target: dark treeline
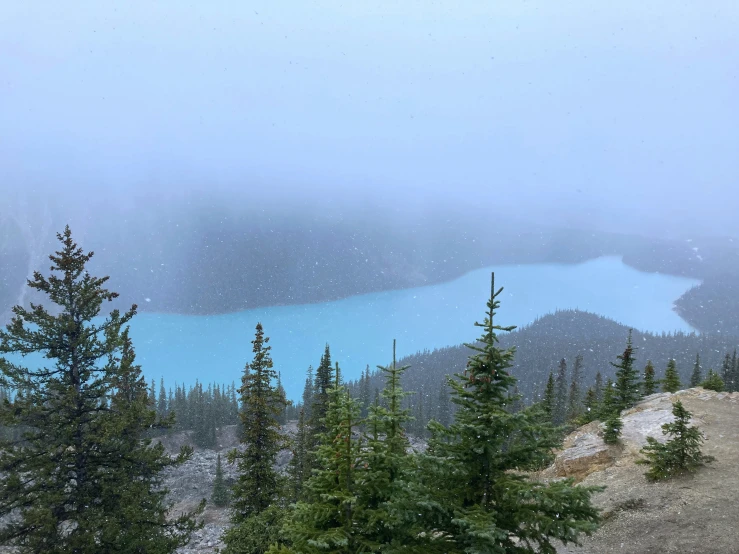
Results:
202 409
542 345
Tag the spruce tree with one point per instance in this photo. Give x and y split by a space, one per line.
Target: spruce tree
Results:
574 401
486 503
590 412
298 469
282 401
598 388
559 415
607 405
324 521
726 370
308 394
671 382
321 389
220 490
680 454
420 418
649 386
548 402
713 382
365 396
83 478
444 410
257 483
696 377
383 473
627 389
162 401
612 428
610 413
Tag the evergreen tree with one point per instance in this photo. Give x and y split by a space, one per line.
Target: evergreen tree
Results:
650 384
298 470
516 401
486 503
384 467
548 402
153 395
590 413
257 484
162 401
713 382
321 396
559 415
680 454
220 490
607 405
84 478
627 389
598 389
420 418
308 394
730 372
612 428
324 520
671 382
574 403
726 370
364 392
282 400
444 409
696 377
610 413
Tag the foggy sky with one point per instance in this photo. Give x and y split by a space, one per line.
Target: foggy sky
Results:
612 115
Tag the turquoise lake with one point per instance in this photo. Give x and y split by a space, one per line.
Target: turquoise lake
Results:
360 329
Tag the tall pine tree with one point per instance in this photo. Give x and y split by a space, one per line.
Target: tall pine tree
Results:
628 388
486 502
83 478
559 415
697 376
383 466
258 483
324 521
574 402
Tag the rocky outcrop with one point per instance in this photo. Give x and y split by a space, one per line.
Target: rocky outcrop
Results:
696 513
584 451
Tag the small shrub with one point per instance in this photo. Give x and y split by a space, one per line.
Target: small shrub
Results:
681 454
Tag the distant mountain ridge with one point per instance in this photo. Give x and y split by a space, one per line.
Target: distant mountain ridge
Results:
195 258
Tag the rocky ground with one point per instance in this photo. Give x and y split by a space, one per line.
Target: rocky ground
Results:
697 513
193 481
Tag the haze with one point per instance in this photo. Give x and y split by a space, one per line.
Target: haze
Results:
615 116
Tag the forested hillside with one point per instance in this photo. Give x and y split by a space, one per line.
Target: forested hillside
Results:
566 334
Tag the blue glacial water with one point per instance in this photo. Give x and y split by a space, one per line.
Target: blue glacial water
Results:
360 329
